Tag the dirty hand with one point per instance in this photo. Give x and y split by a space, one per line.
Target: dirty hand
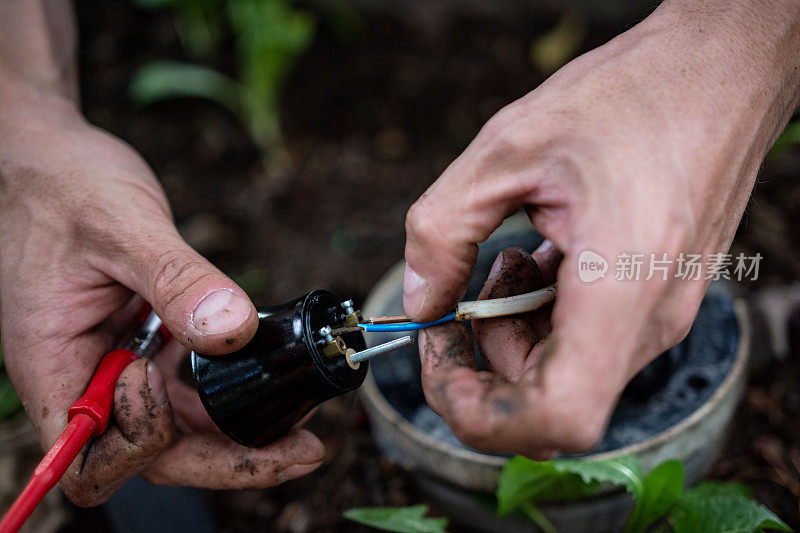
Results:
84 225
648 144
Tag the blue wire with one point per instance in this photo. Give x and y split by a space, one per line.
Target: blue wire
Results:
407 326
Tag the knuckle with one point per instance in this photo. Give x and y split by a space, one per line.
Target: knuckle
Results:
679 324
472 431
680 329
583 433
574 423
152 440
503 119
507 135
175 272
419 222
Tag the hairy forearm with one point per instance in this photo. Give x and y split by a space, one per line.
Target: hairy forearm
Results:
746 52
735 66
38 44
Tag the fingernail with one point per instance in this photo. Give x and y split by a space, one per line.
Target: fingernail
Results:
158 388
497 265
415 290
295 471
221 311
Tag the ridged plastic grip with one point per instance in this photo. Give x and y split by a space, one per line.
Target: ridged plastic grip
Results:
98 400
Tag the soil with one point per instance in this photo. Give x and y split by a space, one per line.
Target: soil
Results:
370 121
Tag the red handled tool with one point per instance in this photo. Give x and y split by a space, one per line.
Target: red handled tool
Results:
87 418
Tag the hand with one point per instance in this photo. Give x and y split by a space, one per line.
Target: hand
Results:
648 144
84 225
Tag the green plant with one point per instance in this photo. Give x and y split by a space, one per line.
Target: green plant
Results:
400 519
198 23
268 36
661 505
661 501
9 401
789 137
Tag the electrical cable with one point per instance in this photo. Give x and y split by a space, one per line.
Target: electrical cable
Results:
497 307
406 326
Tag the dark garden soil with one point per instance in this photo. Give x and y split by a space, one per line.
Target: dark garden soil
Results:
370 122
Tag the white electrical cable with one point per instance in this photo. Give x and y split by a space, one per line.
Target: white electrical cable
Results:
513 305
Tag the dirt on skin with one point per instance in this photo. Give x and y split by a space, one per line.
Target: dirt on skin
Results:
370 122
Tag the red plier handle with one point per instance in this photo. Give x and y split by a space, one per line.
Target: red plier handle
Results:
88 417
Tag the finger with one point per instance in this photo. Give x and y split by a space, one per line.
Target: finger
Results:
591 351
511 344
444 350
461 209
448 345
190 415
203 308
547 258
216 462
506 342
489 413
476 405
562 405
141 428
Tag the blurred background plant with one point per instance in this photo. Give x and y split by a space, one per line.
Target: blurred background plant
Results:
789 137
558 46
9 401
268 36
198 23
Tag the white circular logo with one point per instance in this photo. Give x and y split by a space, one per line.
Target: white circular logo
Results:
591 266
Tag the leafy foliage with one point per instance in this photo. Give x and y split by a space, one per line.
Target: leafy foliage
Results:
662 488
10 404
525 480
268 35
710 507
199 23
400 519
160 80
722 508
789 137
524 483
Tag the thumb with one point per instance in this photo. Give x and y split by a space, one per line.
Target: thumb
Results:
203 308
142 428
461 209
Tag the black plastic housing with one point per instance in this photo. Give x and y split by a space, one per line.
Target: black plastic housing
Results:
256 394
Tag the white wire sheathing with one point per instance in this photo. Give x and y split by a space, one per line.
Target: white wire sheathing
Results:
513 305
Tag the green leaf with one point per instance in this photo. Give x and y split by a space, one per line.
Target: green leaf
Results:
537 517
524 480
401 519
625 471
9 401
161 80
789 137
662 488
722 508
710 489
270 36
